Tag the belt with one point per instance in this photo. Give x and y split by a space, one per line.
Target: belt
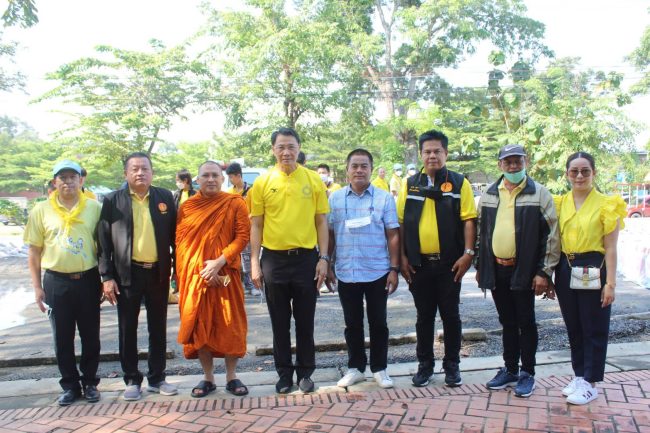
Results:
435 257
70 276
144 265
587 255
292 252
506 262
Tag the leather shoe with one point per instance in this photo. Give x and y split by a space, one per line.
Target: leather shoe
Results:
283 386
91 393
68 397
306 385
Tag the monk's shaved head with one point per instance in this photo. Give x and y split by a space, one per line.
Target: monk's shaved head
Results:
209 161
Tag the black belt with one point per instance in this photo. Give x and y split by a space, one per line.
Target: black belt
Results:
144 265
292 252
70 276
587 255
435 257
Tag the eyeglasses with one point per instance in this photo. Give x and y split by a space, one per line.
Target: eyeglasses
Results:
574 172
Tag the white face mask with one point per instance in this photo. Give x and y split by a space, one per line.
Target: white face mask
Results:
180 185
411 172
324 177
398 172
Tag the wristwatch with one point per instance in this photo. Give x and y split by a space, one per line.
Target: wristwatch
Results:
326 258
469 251
394 268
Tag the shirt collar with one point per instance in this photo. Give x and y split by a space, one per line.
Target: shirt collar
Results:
137 197
370 190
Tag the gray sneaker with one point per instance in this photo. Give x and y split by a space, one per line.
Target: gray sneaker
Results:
132 393
163 388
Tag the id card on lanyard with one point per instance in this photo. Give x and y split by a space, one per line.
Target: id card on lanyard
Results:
355 223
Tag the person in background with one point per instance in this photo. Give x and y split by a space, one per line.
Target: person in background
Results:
302 158
323 171
410 171
61 234
136 235
213 228
364 236
518 248
185 189
242 188
380 180
437 232
289 218
88 193
589 226
396 180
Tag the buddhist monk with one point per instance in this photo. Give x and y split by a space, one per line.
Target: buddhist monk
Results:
213 229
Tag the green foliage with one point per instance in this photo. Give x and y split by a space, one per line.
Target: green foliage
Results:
640 58
10 79
13 212
126 99
20 12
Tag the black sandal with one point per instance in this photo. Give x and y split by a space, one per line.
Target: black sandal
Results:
236 387
204 388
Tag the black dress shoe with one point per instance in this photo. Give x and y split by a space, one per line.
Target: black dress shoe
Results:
283 386
91 394
306 385
68 397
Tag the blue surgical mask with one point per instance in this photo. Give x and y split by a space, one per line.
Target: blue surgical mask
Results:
515 177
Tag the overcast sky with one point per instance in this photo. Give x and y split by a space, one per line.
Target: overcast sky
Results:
600 32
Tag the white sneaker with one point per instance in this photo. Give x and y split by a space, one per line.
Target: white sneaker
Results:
324 290
351 377
383 379
583 394
572 386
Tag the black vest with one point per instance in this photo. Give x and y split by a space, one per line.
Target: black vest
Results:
450 226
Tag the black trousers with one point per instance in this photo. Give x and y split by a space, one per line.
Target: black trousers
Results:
145 284
433 289
516 310
351 296
75 304
290 289
587 323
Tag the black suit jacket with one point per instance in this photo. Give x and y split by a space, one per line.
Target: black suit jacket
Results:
115 234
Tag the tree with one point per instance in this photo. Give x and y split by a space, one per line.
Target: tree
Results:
20 12
415 39
127 99
9 77
640 58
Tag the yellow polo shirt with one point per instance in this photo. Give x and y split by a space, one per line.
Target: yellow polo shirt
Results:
76 252
584 230
144 237
289 204
185 194
333 187
381 184
504 244
88 193
428 228
247 199
395 183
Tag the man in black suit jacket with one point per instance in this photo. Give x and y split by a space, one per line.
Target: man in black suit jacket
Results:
136 234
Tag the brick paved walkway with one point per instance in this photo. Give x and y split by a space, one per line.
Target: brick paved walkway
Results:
623 406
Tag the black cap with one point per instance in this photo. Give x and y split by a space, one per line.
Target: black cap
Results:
511 150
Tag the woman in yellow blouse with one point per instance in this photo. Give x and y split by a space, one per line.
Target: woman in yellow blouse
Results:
589 226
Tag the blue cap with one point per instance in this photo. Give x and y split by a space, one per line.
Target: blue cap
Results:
66 164
410 167
397 166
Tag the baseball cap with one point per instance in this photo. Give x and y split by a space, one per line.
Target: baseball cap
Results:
410 167
66 164
511 150
397 166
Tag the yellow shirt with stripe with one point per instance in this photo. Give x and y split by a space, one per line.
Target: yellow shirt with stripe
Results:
71 253
144 237
289 204
584 230
428 227
247 199
381 184
504 243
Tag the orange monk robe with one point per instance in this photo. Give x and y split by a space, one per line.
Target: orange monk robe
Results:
213 317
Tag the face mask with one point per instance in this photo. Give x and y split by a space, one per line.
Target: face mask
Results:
180 185
411 172
515 177
399 173
324 177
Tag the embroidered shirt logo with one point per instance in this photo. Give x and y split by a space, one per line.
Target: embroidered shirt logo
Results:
162 207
